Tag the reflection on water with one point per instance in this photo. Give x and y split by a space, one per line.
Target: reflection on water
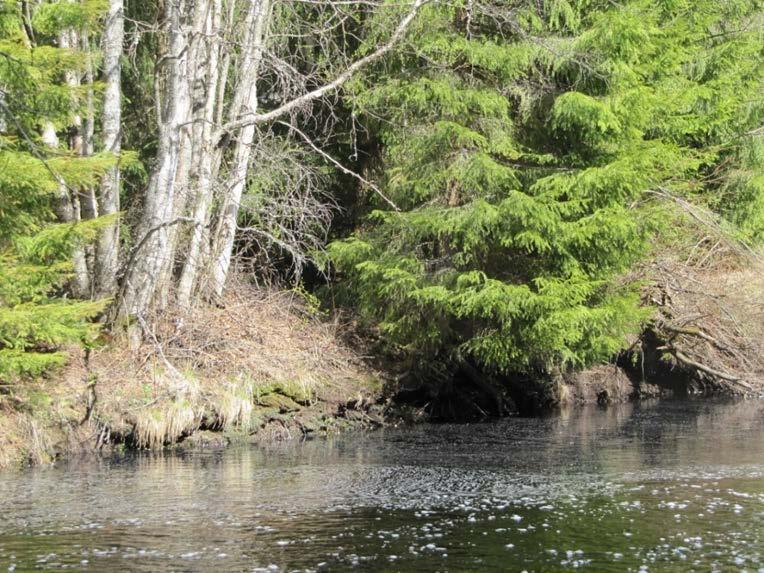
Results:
670 486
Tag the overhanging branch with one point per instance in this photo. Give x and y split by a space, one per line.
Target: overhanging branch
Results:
341 167
355 67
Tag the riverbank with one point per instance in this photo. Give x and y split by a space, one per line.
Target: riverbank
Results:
263 366
268 365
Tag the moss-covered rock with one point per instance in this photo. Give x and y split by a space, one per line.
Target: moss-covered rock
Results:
279 401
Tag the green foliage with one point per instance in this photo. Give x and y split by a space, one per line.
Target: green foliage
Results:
35 324
742 189
521 141
36 320
51 18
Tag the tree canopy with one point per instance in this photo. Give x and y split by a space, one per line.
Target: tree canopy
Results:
530 148
526 158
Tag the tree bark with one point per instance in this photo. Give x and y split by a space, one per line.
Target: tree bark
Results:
208 94
196 37
88 201
69 200
202 186
245 117
245 102
107 251
143 279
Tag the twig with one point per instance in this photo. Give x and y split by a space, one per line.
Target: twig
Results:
341 167
257 118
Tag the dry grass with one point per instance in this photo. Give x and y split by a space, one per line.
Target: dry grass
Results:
38 420
19 439
211 367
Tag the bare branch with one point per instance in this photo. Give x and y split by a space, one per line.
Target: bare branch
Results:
258 118
341 167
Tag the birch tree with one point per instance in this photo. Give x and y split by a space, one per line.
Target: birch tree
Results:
107 257
209 117
206 153
142 276
245 102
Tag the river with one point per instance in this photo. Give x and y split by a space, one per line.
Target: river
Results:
663 486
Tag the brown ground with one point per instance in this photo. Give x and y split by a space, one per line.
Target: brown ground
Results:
263 366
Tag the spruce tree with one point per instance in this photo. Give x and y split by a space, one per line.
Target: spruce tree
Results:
524 144
41 178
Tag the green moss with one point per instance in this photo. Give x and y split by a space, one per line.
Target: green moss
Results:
280 402
298 391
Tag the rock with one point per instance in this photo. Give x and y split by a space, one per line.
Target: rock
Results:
283 403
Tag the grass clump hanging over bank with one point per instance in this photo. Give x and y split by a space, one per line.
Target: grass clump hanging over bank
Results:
535 152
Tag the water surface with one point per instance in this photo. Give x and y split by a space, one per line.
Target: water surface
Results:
669 486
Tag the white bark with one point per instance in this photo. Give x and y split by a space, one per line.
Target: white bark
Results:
245 102
191 165
69 200
254 118
143 278
204 157
107 253
189 137
67 211
88 201
226 62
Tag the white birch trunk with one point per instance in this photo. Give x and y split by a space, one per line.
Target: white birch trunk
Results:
70 201
154 240
190 137
204 156
245 102
88 201
107 252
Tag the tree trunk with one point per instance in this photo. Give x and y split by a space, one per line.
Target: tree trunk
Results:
202 182
245 102
69 200
154 245
107 252
199 39
88 201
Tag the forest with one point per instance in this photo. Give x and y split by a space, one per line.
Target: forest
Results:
486 197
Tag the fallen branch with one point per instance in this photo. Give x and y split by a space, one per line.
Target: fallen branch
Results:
686 360
700 334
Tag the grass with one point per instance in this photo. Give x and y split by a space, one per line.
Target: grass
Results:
263 357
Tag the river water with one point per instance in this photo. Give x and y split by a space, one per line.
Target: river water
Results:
666 486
